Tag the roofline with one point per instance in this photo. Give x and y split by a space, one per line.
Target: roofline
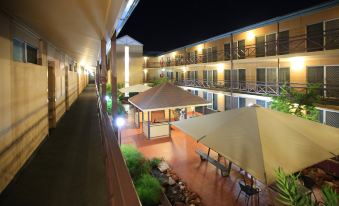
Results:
126 16
131 38
263 23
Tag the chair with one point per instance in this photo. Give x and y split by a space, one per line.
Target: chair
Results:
248 191
309 183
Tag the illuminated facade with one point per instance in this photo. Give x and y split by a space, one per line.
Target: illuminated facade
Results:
249 65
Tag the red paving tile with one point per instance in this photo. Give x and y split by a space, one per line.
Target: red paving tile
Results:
201 177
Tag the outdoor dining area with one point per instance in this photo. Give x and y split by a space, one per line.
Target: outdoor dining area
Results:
246 146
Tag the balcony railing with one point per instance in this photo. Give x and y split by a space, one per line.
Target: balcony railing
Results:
327 92
329 40
121 190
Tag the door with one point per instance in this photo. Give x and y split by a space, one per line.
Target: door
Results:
315 75
284 76
51 95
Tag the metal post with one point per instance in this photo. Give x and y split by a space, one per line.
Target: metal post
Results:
149 126
186 113
103 74
113 67
169 122
143 121
231 73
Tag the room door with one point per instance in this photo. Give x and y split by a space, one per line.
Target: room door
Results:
51 95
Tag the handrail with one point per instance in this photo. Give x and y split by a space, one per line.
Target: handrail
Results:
294 44
326 91
121 189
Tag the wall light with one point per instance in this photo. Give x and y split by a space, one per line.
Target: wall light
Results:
120 122
200 48
250 35
145 71
220 67
145 59
184 69
163 69
297 63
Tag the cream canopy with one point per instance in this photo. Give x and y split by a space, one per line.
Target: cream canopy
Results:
261 140
135 88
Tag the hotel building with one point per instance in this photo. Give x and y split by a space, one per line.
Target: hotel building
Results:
252 64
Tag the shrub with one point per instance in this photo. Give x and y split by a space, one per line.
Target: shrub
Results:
136 162
149 190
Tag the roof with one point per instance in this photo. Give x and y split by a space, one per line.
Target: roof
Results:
166 96
263 23
261 140
127 40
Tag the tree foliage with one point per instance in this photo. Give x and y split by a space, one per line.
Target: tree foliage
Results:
298 102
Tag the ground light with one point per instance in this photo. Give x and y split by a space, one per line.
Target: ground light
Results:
120 122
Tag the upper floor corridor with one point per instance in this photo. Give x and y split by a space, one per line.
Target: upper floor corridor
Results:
68 167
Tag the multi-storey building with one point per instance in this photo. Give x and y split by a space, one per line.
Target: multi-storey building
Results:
251 64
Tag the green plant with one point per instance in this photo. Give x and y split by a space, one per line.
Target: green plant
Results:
155 162
159 81
290 193
299 103
149 190
136 163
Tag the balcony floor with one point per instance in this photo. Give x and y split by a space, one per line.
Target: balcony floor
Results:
202 177
68 168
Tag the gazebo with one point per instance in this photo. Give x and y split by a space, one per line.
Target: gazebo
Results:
156 107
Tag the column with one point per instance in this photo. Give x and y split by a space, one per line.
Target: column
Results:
114 76
103 74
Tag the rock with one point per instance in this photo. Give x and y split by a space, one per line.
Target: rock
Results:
171 181
163 166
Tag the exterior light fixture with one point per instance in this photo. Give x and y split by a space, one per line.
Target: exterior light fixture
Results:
200 48
250 104
163 69
297 63
250 35
184 69
220 67
120 122
145 71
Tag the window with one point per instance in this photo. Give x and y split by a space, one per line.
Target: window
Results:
18 50
332 77
169 75
215 101
209 54
271 45
284 75
332 119
196 92
266 75
227 77
227 51
315 38
238 77
210 99
315 75
283 39
332 34
261 103
188 75
70 67
192 57
23 52
242 102
261 75
260 46
231 102
241 49
204 95
32 54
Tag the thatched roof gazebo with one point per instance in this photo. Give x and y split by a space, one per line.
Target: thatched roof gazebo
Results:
158 103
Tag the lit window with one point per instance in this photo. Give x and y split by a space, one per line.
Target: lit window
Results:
18 50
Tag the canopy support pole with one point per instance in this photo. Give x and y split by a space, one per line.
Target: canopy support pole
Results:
149 126
169 122
185 112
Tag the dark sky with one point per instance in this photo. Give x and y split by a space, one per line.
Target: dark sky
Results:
162 25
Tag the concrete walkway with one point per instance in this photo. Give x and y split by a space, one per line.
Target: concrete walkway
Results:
68 169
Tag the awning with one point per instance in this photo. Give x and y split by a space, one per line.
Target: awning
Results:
262 140
166 96
135 88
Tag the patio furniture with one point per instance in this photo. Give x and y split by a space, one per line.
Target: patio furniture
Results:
261 140
225 171
249 192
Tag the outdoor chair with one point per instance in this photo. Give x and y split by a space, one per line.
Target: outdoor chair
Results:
309 183
248 191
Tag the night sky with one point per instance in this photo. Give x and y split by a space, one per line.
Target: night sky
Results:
162 25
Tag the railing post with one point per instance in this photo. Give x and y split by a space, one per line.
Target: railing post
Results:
103 74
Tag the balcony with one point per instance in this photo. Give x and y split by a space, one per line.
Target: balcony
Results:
328 93
328 40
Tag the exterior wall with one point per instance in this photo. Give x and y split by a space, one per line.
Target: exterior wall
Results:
23 105
24 96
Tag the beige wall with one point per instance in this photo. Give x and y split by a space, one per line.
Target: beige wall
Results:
24 98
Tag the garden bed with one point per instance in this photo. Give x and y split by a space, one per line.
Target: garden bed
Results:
155 182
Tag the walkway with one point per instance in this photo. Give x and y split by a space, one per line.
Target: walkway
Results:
68 168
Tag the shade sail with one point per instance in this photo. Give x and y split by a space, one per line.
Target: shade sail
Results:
166 96
261 140
135 88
